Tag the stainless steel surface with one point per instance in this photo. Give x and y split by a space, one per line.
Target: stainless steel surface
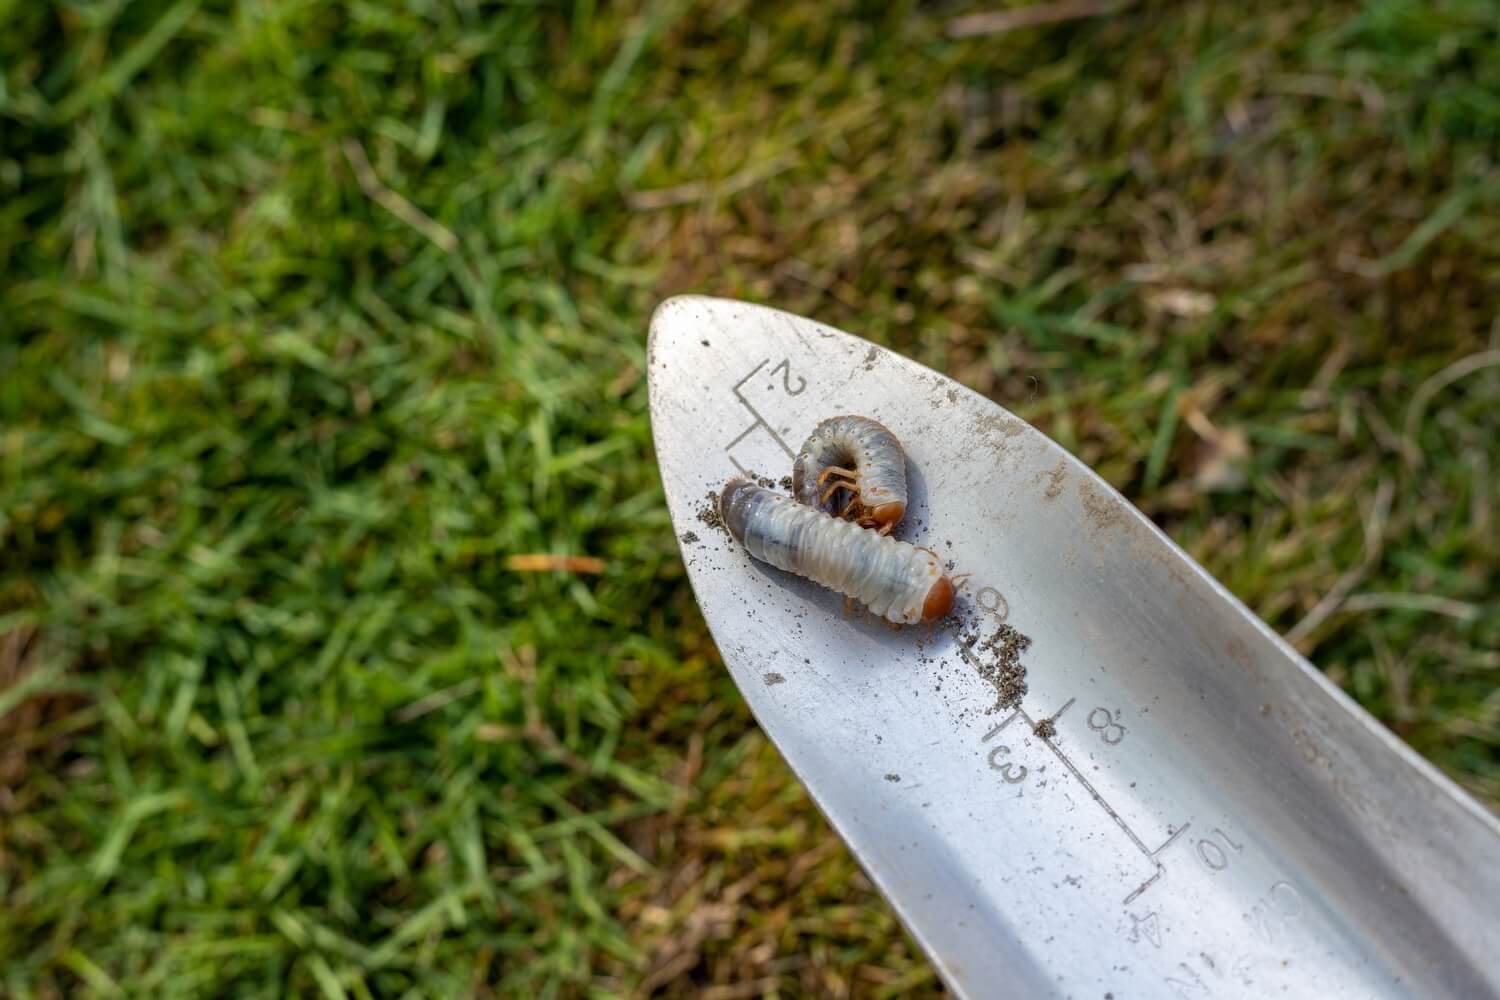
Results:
1212 818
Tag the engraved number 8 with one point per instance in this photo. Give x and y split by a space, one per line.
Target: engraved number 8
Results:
1101 722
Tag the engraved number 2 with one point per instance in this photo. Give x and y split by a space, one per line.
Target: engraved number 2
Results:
786 378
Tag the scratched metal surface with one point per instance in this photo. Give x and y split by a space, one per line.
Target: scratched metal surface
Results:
1211 819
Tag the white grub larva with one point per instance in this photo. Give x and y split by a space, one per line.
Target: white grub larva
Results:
894 579
858 456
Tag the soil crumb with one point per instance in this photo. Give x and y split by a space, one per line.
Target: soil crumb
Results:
999 661
772 679
786 483
1099 507
1046 729
689 537
893 777
708 513
1055 481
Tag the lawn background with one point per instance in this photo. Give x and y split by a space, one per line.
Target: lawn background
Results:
313 313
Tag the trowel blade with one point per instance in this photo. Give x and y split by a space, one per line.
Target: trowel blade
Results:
1179 806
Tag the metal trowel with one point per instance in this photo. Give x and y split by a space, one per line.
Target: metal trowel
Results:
1180 805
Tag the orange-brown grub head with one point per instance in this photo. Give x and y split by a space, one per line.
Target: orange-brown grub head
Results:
886 514
939 600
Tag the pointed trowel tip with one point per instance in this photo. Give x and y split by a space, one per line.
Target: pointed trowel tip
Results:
677 316
684 321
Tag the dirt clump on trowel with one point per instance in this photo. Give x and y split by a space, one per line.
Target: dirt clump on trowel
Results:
709 514
998 660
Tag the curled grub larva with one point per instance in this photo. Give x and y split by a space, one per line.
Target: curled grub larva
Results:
857 457
894 579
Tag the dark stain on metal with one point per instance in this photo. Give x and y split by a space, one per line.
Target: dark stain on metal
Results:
1055 479
1100 507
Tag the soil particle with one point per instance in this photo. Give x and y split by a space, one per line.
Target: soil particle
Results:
764 481
689 537
998 659
893 777
1000 434
772 679
1098 506
1055 481
708 513
1046 729
998 425
786 483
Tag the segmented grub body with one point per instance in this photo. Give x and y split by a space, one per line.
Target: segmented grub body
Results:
861 457
894 579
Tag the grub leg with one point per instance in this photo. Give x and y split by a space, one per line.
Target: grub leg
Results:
851 488
834 470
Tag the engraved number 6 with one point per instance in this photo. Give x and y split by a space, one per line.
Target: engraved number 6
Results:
1013 774
991 601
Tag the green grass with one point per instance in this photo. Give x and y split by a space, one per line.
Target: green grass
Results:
313 313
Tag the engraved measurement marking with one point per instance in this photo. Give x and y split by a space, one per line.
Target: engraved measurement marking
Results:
785 368
1151 854
1058 715
1193 986
786 378
1147 927
1214 856
997 605
1107 725
1013 774
1160 868
1236 968
1272 912
1021 714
